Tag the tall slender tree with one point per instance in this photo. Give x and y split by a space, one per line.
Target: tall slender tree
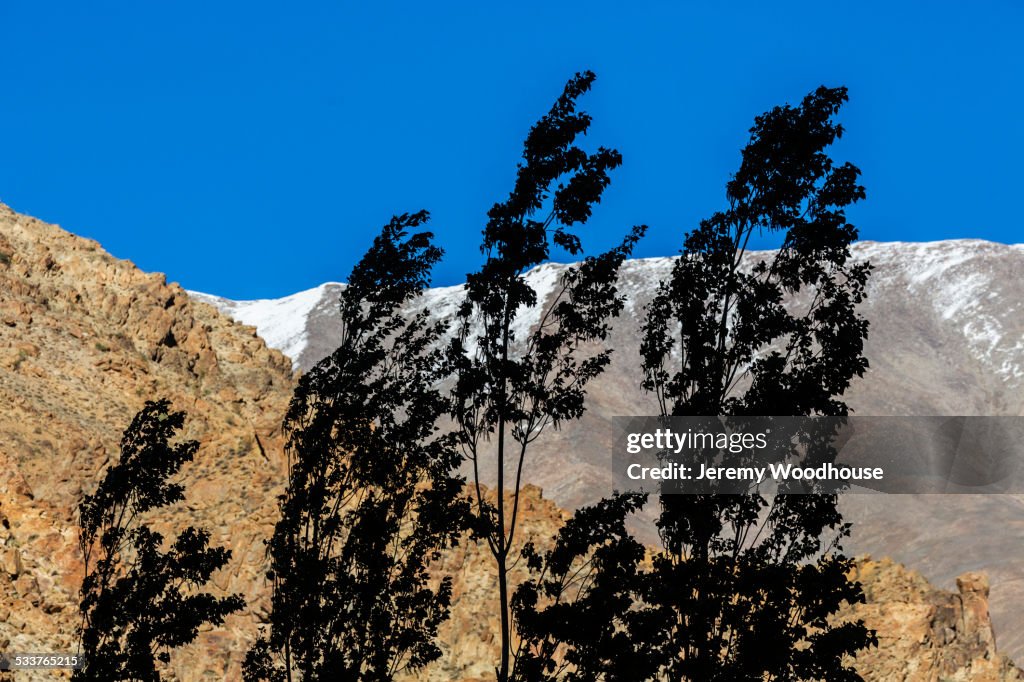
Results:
139 600
509 389
746 585
372 495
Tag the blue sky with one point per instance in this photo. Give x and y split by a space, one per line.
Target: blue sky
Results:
252 149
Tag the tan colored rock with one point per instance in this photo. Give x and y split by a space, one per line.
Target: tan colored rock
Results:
85 339
10 561
925 634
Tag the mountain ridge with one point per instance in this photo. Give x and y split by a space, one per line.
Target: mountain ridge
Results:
270 315
946 337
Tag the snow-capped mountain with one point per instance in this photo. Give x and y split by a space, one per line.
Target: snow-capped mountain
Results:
284 323
946 338
950 296
304 326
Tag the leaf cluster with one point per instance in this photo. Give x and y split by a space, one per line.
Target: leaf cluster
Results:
372 496
140 599
544 383
575 617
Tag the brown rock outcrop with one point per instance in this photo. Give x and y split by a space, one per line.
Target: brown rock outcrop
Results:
85 339
925 634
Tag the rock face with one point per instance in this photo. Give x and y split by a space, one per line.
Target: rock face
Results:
927 634
85 339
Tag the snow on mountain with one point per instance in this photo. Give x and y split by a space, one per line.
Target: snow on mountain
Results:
970 284
282 322
970 287
295 324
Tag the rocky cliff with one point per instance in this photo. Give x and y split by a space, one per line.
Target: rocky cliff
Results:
86 338
926 634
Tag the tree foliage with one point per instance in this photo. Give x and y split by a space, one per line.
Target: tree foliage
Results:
504 398
576 615
746 584
744 587
372 496
139 600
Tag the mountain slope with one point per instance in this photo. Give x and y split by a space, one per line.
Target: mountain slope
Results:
85 339
945 315
946 338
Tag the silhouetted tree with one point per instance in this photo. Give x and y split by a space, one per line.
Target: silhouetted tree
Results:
140 601
372 496
746 585
506 395
578 618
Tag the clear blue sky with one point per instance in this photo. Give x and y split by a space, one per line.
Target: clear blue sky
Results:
252 149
